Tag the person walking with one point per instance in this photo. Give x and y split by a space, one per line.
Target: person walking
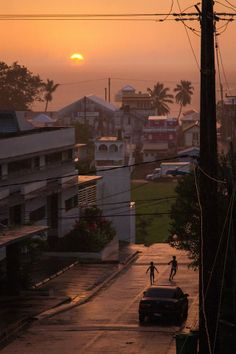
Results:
151 269
174 267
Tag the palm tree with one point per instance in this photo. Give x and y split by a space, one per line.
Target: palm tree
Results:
161 97
49 88
184 92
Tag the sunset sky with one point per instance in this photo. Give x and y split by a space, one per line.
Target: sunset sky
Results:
137 53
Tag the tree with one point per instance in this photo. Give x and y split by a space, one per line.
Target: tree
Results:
19 88
184 92
161 98
185 216
49 87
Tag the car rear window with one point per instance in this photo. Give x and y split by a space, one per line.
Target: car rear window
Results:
161 293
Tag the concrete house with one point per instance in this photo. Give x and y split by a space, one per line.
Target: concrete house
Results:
38 182
191 135
112 164
159 137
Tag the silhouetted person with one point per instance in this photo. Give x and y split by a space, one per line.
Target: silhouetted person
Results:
152 270
174 267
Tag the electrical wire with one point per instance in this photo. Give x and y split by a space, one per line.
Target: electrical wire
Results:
189 40
223 69
230 4
56 178
224 267
202 260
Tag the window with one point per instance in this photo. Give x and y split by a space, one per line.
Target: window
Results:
71 203
17 166
53 158
68 155
102 147
37 214
87 195
36 162
113 148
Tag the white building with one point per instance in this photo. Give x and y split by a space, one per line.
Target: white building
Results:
38 180
112 163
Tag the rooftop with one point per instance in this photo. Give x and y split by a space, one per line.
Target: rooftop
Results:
19 233
86 179
108 138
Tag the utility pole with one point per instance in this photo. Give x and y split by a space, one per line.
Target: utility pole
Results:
85 110
105 93
209 280
109 89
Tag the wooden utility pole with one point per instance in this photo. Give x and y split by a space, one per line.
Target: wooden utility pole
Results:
109 89
209 277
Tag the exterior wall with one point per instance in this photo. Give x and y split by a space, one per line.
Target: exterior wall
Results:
32 187
115 189
35 143
67 218
192 137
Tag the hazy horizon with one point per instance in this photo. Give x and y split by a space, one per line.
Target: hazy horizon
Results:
137 53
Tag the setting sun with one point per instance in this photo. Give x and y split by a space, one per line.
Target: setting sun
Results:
77 56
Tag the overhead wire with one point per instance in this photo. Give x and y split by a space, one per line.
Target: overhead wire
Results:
224 267
189 40
94 172
202 260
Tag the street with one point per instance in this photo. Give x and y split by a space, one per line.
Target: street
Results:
108 323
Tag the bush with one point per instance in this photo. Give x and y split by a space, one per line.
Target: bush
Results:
90 234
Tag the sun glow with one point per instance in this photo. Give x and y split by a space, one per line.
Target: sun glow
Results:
76 56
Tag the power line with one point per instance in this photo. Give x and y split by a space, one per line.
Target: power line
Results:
55 178
189 40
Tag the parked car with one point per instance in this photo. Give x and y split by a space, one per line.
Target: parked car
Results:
164 302
154 175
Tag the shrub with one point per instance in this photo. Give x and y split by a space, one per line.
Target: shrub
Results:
90 234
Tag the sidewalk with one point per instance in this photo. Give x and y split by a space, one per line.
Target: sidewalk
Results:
77 283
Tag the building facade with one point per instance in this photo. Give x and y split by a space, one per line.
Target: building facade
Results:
38 180
112 164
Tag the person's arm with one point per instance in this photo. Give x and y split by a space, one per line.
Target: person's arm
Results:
147 270
156 270
169 262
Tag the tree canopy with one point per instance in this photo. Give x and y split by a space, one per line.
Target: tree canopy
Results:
161 98
19 88
184 92
49 87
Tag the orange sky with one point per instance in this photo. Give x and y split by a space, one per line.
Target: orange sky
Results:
122 50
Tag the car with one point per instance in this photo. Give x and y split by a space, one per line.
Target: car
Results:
154 175
177 173
164 301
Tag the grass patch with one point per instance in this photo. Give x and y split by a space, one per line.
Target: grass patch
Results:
150 199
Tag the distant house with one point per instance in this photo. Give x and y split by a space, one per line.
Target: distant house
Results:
159 136
43 120
191 134
189 154
92 110
189 117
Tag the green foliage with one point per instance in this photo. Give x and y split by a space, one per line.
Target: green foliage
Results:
161 98
19 88
185 216
90 234
184 94
49 88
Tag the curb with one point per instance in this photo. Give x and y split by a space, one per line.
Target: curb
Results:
76 301
12 330
55 275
